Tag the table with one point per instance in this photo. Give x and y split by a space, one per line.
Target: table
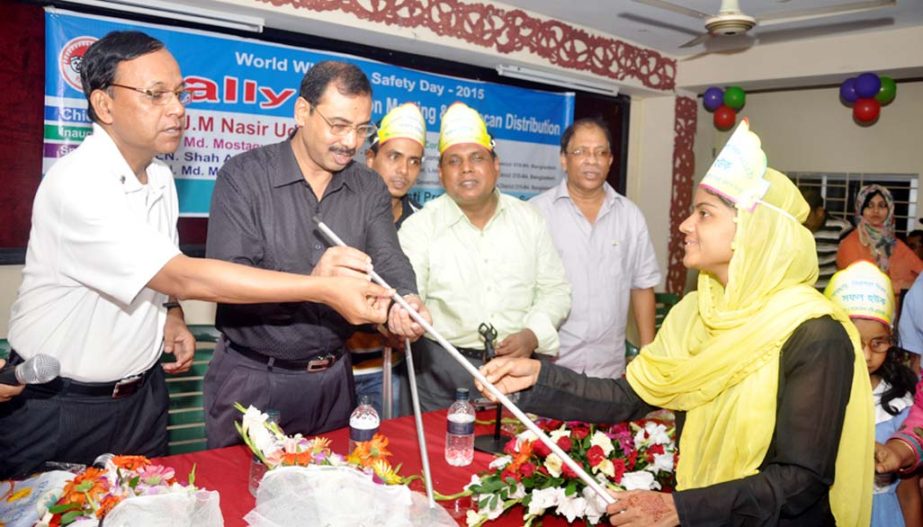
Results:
226 469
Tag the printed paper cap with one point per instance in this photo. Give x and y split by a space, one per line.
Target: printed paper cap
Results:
404 121
462 124
863 291
737 173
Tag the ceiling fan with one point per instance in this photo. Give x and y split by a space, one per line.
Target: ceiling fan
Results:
731 21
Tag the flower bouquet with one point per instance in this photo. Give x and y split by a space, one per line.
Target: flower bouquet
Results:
637 455
309 484
131 490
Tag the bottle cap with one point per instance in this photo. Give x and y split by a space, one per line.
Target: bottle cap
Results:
365 399
461 394
272 415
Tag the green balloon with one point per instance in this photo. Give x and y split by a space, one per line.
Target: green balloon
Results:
734 98
887 91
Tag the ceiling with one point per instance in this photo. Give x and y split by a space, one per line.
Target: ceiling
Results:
666 31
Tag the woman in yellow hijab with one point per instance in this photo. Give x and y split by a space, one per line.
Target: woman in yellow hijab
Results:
766 376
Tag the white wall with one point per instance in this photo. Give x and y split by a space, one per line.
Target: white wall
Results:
810 130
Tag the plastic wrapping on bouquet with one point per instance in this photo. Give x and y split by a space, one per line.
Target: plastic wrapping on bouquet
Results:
257 468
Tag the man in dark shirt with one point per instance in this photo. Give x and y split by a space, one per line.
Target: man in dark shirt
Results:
289 356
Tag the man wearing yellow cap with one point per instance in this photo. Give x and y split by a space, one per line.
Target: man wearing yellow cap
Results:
481 257
396 154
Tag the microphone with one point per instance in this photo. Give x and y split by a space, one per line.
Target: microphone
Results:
37 370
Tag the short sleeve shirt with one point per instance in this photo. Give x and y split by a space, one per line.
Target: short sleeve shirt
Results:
98 237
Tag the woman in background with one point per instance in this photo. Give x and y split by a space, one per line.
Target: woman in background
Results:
873 239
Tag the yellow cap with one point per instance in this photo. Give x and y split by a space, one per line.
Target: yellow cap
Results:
737 173
863 291
462 124
404 121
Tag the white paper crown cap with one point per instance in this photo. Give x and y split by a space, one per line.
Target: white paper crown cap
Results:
737 173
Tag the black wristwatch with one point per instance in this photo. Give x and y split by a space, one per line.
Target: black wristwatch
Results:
171 305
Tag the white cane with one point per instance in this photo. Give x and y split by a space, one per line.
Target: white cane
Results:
523 418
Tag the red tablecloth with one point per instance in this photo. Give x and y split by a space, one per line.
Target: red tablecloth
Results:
226 469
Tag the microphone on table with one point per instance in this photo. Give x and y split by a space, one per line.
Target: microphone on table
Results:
36 370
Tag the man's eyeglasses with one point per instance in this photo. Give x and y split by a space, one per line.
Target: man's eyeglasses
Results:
878 344
342 129
581 153
160 97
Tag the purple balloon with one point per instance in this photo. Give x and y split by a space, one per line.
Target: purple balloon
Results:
867 85
713 98
848 91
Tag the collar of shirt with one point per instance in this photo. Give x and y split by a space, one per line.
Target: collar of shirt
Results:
109 156
291 173
453 213
561 192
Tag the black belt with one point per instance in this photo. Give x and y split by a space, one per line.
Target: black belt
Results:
471 353
115 390
317 363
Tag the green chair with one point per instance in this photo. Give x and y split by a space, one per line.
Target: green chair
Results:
186 426
4 349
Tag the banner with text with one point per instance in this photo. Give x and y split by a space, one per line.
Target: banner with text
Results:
244 93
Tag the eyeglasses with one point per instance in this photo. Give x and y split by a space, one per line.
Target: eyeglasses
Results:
160 97
342 129
878 344
581 153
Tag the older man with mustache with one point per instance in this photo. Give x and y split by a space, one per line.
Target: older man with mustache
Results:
290 356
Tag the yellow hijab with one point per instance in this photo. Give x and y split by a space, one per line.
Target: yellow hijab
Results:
717 357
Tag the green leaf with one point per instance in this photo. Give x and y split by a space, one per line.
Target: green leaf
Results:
84 486
192 475
70 517
63 507
571 489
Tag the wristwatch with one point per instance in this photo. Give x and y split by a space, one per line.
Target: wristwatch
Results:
171 305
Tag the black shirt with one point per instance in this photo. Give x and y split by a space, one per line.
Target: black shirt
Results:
261 215
793 483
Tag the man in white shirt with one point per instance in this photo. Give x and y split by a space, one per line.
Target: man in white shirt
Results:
103 273
606 249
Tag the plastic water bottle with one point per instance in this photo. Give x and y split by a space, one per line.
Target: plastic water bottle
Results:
363 423
459 436
257 468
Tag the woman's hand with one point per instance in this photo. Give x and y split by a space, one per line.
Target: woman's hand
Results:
509 375
892 456
643 508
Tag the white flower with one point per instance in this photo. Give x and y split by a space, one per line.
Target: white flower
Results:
475 480
519 493
524 436
595 505
559 433
606 467
543 499
603 441
492 512
657 433
662 463
500 462
641 480
254 425
553 464
640 438
571 507
474 518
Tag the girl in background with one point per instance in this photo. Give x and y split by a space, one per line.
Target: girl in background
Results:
865 293
873 239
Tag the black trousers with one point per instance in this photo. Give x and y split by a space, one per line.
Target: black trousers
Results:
438 375
308 402
36 426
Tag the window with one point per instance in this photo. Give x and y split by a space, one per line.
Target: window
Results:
839 190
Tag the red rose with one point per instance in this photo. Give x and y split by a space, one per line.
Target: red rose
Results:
568 472
527 470
541 449
507 473
595 455
565 443
551 424
619 465
632 459
580 432
656 449
510 447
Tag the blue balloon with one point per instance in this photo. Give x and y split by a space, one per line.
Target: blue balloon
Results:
713 98
848 91
867 85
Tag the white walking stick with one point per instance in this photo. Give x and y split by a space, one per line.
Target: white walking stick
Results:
503 399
